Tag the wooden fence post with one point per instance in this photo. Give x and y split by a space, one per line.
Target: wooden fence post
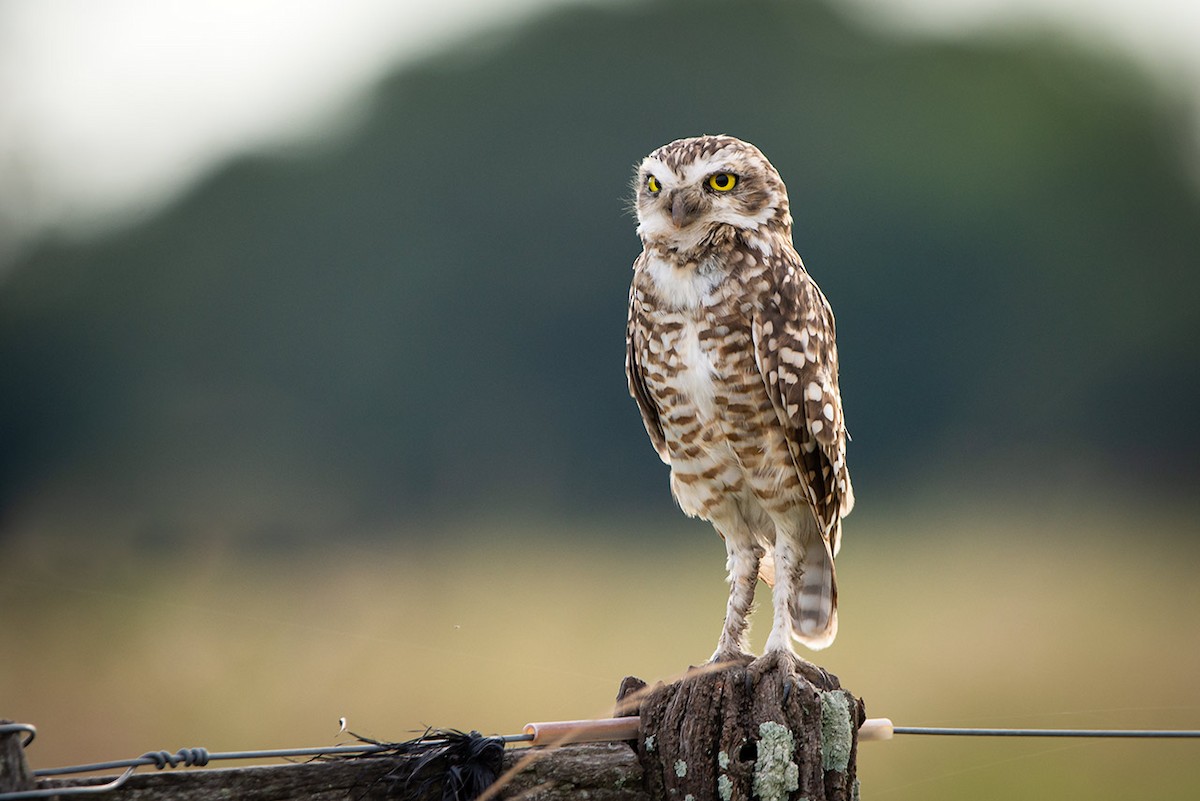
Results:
14 770
775 729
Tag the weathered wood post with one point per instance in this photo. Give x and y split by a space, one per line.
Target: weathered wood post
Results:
14 770
775 729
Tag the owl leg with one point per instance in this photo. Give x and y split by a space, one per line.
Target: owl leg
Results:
788 558
742 563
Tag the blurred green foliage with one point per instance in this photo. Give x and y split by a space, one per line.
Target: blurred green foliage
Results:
428 313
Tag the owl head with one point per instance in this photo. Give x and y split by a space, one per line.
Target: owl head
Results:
689 189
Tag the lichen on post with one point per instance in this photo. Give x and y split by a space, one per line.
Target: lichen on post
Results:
775 772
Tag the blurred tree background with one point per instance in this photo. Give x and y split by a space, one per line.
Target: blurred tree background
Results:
421 320
427 314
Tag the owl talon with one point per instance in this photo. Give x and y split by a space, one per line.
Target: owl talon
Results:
788 684
748 683
818 676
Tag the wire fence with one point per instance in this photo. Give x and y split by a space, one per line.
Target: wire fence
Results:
199 757
968 732
434 738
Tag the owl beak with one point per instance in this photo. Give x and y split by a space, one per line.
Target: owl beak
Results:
683 212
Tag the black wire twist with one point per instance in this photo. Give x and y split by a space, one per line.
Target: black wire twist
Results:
188 757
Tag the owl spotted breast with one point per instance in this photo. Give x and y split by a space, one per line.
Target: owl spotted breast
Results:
731 358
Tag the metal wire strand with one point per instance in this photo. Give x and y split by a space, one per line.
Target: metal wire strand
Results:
53 792
190 756
187 757
965 732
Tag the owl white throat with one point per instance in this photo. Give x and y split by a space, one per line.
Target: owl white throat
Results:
682 286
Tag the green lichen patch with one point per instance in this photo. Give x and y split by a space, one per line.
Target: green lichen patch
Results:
650 743
723 760
775 774
724 787
837 733
680 768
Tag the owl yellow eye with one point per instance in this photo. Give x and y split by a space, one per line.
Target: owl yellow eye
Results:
722 181
653 185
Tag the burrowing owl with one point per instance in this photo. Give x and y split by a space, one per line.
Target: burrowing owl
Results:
731 358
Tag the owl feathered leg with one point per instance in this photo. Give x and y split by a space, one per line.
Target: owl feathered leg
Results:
787 559
743 556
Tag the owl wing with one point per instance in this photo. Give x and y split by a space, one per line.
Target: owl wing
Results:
635 347
796 354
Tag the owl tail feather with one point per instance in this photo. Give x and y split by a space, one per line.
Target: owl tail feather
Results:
814 604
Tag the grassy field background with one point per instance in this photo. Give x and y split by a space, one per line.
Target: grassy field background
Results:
992 616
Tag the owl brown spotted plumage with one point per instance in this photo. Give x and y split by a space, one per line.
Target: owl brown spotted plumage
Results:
731 358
